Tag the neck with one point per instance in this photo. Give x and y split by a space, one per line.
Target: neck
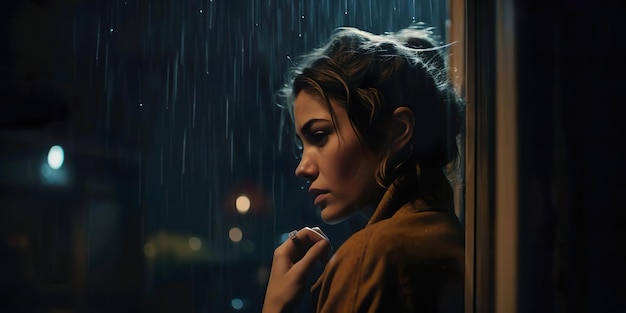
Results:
368 210
428 184
434 187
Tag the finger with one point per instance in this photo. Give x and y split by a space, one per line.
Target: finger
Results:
281 263
285 256
318 252
309 236
317 231
304 239
293 249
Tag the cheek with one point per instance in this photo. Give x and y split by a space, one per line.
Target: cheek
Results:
349 162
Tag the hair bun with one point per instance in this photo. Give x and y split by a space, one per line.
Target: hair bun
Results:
418 43
423 40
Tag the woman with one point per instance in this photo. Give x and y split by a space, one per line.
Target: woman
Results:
378 120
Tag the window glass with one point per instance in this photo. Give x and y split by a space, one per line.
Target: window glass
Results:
147 159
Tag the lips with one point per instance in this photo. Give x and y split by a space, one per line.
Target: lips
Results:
320 195
321 198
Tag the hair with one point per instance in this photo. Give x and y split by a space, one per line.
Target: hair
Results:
372 75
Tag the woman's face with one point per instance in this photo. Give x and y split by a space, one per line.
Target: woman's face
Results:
340 168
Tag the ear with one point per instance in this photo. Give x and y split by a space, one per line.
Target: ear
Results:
402 126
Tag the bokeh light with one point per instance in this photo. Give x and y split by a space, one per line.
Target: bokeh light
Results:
262 275
235 234
283 238
149 250
236 303
195 243
242 204
56 156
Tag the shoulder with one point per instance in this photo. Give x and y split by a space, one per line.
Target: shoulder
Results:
408 236
413 259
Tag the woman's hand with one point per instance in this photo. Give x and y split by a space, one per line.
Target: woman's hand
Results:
292 261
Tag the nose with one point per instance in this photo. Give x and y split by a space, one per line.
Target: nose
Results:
306 168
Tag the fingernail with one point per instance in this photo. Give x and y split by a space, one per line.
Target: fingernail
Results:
330 245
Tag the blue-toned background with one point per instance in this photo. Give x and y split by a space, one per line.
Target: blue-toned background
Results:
166 113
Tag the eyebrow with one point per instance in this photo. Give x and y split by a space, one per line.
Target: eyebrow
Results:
306 128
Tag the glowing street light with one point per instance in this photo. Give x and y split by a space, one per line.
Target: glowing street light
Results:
56 156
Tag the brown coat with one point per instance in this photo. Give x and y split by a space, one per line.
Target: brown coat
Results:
409 258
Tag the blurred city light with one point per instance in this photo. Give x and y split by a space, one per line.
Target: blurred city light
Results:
56 157
173 248
235 234
195 243
242 204
262 275
149 250
237 304
283 238
53 176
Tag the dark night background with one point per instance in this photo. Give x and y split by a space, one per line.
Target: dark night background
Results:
166 113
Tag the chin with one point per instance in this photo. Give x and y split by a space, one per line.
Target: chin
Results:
332 216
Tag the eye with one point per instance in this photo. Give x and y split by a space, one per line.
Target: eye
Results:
318 137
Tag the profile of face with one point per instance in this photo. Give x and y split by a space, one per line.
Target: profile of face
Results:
340 168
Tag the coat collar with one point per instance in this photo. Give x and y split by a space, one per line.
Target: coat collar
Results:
397 195
406 193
